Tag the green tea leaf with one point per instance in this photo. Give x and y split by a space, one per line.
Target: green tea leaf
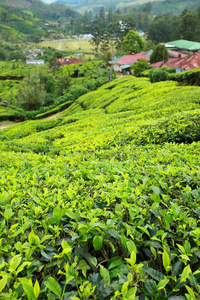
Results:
115 262
166 261
154 273
53 286
105 274
3 282
151 287
36 289
8 213
131 246
162 284
71 215
28 288
15 261
185 274
22 266
91 259
122 269
97 242
177 267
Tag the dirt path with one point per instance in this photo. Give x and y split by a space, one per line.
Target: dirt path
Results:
59 46
52 116
13 124
3 127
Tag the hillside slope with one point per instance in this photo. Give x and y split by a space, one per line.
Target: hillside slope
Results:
102 202
157 6
39 9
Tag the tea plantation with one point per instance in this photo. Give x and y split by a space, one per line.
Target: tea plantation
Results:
102 202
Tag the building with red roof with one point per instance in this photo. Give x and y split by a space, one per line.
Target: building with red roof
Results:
169 63
126 61
131 59
181 64
69 61
188 63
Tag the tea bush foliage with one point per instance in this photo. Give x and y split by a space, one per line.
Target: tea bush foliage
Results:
102 202
10 113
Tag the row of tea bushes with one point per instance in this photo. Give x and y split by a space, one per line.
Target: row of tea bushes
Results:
103 201
107 224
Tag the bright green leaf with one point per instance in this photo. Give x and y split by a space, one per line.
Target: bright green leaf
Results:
53 286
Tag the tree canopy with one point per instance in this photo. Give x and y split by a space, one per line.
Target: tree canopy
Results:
132 43
160 53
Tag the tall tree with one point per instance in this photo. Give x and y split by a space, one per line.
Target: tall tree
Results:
160 53
187 25
97 36
132 43
161 29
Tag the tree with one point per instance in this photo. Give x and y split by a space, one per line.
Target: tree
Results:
96 39
61 85
105 46
107 56
31 95
132 43
160 53
147 7
140 66
187 26
110 15
162 29
149 45
2 53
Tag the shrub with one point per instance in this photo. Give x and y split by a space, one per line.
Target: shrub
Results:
31 94
140 66
157 75
77 92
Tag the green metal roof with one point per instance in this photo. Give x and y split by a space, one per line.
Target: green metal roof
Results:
117 59
183 44
125 67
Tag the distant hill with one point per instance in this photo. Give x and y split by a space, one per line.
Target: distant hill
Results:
27 17
157 6
41 10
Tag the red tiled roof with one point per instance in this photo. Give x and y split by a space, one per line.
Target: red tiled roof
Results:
128 59
169 63
69 61
189 62
186 63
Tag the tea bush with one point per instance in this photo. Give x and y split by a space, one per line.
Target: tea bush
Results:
11 113
102 202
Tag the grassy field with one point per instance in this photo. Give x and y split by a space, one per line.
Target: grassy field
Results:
78 46
71 46
49 44
75 46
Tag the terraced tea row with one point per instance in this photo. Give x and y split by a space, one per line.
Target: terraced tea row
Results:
98 203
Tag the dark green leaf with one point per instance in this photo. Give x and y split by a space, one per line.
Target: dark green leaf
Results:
115 262
105 274
151 287
154 273
97 242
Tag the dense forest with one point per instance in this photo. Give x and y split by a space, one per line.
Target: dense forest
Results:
157 7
